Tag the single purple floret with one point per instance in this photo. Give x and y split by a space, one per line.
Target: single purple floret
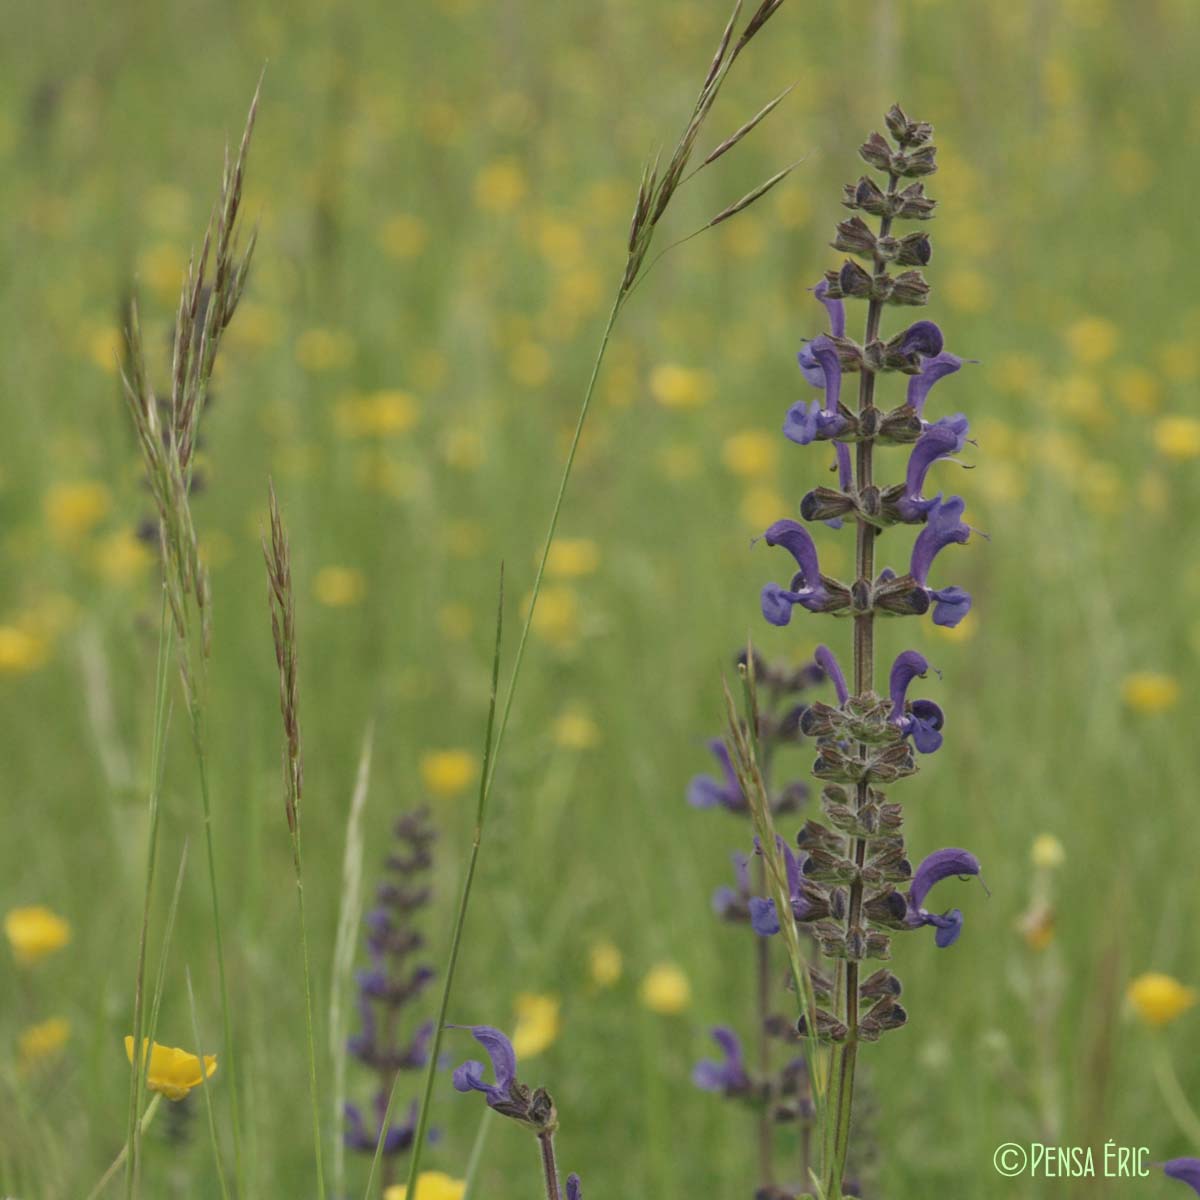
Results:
726 1075
939 865
1186 1170
806 588
764 916
469 1076
943 438
936 367
921 720
943 526
707 791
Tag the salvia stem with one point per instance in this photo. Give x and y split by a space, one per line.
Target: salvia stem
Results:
549 1165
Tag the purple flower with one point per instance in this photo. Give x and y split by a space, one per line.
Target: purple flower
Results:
707 791
825 659
396 1139
936 367
764 917
469 1076
728 1075
806 588
943 525
811 368
574 1188
939 865
920 719
731 903
806 422
1186 1170
944 437
921 337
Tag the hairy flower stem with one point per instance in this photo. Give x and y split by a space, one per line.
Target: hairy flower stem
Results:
845 1056
549 1166
762 954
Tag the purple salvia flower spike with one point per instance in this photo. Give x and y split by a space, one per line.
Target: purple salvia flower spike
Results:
1186 1170
932 369
827 661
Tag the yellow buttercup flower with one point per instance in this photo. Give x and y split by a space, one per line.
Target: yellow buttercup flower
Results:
1177 438
665 989
42 1041
674 386
447 772
74 509
556 618
122 557
377 414
574 730
339 587
604 962
1158 999
20 650
538 1024
500 186
431 1185
1047 852
1150 692
572 557
35 932
1092 340
751 453
173 1072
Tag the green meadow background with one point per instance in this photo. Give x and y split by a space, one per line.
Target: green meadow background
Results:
443 191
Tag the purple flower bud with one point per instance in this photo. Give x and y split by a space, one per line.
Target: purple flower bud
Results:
932 369
923 338
706 791
939 865
1186 1170
574 1188
726 1075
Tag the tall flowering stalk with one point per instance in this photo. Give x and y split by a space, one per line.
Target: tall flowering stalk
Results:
850 880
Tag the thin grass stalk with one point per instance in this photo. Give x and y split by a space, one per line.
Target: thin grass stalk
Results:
489 748
349 915
205 1088
475 1158
123 1154
282 603
137 1069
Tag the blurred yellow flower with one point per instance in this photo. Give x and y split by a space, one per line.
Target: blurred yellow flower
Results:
1136 389
500 186
679 461
122 557
1158 999
456 621
463 449
172 1072
464 539
256 326
376 414
339 587
762 507
1047 852
968 291
1177 438
1092 340
34 932
538 1024
530 364
74 509
571 558
20 650
44 1040
431 1185
573 729
162 267
404 236
751 453
556 618
665 989
1037 927
105 346
447 772
324 349
1180 361
674 386
604 962
1150 691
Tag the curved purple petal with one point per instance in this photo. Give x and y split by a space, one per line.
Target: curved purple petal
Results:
813 372
800 425
828 663
777 603
825 353
908 666
948 925
932 369
941 864
835 308
764 919
945 437
943 526
795 539
845 470
923 338
1186 1170
951 604
925 724
468 1077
